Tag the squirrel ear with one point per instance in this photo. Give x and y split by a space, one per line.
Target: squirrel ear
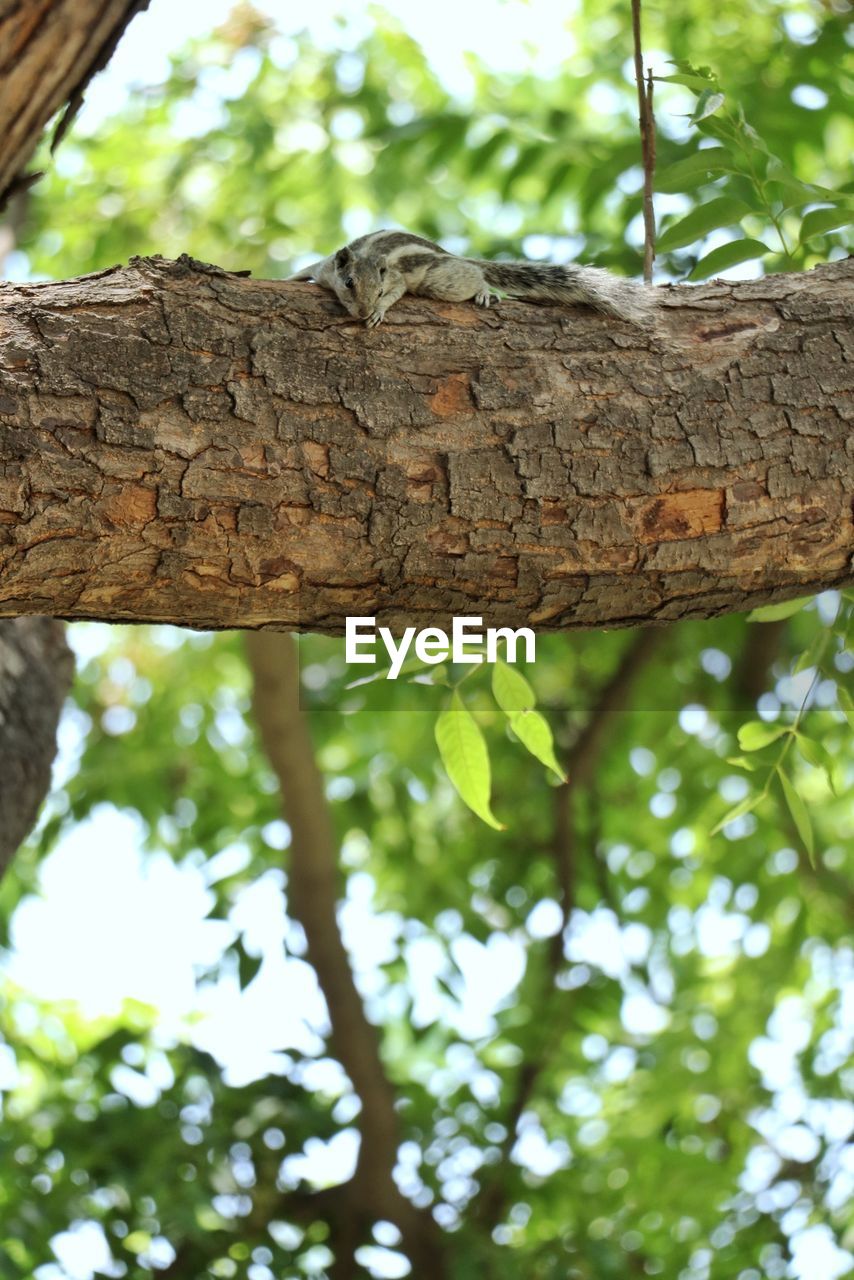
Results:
342 257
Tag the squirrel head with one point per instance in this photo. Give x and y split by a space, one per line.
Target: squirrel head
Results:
359 283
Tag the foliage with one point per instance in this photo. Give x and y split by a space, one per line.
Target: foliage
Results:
259 149
678 1056
659 1090
756 186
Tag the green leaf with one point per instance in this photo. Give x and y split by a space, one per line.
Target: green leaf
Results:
721 212
558 178
694 169
846 702
531 158
738 811
815 754
776 612
481 157
707 104
755 735
814 652
800 815
412 663
686 78
706 74
728 255
533 732
462 748
744 762
819 221
511 690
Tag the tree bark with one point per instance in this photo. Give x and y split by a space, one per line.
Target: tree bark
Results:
35 674
49 51
178 444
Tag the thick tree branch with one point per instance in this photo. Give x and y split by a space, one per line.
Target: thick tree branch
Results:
49 51
313 891
177 444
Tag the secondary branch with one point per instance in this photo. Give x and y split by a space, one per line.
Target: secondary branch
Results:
49 51
313 892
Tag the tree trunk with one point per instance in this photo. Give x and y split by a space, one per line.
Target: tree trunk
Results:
178 444
49 51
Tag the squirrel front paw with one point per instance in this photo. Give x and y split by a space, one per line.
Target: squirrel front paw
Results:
483 298
375 318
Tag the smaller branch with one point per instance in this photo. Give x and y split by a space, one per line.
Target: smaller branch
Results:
761 648
646 120
313 883
100 59
49 52
313 891
584 756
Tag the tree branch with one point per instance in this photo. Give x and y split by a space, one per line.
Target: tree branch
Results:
36 668
584 757
313 890
760 651
646 119
49 51
177 444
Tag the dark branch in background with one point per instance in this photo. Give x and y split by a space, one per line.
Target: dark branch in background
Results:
313 892
49 52
646 120
584 757
14 219
583 760
36 668
761 647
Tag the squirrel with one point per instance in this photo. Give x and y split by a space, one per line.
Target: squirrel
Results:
370 274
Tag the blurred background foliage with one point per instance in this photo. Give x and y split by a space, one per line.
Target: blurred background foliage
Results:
688 1038
261 149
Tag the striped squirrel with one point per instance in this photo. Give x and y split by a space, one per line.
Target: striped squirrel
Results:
368 275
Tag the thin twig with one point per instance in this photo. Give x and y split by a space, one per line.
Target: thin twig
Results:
646 119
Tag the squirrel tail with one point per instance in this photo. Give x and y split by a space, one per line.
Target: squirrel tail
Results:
614 295
309 272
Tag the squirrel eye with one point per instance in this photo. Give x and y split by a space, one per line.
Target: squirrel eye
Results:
382 271
349 282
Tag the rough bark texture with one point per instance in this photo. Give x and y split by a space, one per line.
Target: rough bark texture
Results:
49 51
179 444
35 673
